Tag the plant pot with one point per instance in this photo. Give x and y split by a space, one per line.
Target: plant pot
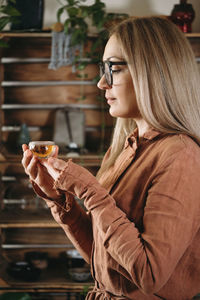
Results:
31 14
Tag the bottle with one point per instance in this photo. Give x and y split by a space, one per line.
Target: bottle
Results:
23 136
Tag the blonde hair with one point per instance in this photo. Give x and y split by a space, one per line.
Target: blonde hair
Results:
165 78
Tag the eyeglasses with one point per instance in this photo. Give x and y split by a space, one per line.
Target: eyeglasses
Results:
106 69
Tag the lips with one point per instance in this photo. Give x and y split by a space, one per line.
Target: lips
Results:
110 100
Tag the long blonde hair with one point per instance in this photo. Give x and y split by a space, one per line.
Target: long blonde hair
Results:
165 78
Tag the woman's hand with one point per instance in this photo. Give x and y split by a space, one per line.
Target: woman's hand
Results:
43 184
42 181
54 166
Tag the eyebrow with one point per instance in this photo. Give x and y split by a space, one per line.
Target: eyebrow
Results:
120 58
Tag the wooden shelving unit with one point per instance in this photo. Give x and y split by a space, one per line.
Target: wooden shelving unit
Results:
31 93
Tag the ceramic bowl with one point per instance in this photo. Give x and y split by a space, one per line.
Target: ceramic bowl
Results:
23 270
37 259
73 253
79 274
74 259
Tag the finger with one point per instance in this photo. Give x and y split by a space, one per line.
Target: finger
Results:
27 156
24 147
41 172
56 151
54 173
45 182
32 168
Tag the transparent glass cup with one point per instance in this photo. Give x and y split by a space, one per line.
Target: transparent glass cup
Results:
42 149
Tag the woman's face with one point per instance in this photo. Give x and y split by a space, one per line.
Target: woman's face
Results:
121 95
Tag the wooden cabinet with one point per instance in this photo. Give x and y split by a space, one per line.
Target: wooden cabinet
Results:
30 93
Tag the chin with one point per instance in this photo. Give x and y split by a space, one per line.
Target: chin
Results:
114 113
117 114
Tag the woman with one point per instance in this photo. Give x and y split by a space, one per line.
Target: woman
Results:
141 232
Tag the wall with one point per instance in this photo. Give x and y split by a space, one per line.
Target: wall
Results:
132 7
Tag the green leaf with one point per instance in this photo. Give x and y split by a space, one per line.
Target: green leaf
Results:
71 2
78 37
60 12
16 296
3 44
81 98
85 290
96 80
82 65
72 11
3 22
82 25
84 11
82 76
67 26
12 1
10 10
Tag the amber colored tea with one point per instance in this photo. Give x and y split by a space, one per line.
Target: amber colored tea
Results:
42 149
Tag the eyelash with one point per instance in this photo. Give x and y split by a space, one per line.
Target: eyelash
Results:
116 71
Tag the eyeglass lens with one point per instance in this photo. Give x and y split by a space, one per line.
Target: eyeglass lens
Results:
108 74
106 69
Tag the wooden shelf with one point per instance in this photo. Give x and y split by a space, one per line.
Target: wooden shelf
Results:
25 34
193 34
27 219
55 278
48 34
36 34
86 160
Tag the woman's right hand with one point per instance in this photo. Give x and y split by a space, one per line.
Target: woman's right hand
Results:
43 185
41 180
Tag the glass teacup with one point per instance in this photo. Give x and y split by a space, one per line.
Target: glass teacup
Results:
42 149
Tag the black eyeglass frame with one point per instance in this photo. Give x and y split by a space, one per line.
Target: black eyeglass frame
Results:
110 64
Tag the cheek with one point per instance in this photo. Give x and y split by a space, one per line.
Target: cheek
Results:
129 102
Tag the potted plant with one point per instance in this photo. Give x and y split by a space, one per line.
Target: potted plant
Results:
8 14
77 25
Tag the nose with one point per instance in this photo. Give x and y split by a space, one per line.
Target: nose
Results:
102 84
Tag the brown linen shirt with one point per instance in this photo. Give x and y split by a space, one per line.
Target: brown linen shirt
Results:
145 220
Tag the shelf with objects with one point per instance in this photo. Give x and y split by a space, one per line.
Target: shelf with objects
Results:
35 104
35 253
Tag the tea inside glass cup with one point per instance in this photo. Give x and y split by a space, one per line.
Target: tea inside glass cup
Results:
42 149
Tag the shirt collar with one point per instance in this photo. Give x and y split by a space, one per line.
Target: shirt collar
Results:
132 139
151 134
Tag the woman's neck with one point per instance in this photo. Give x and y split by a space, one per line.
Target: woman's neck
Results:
142 127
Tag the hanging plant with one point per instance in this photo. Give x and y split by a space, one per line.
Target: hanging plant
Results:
8 14
80 18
